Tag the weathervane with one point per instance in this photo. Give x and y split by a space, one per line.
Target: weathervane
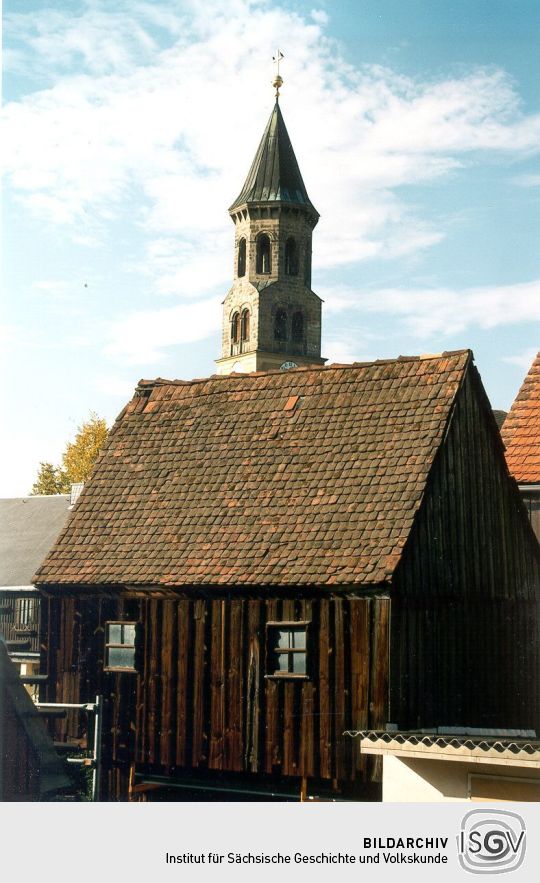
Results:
278 80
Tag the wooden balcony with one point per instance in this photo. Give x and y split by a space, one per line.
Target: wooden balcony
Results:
19 622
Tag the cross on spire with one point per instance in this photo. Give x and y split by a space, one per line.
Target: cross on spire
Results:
278 80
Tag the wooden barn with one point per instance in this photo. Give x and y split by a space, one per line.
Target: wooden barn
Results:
261 562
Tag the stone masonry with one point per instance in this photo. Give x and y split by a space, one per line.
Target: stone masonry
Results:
284 313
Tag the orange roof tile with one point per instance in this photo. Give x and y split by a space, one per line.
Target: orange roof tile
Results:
521 430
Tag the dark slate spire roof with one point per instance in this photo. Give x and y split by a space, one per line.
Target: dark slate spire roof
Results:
274 175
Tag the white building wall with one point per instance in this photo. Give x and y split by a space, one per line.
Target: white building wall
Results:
410 780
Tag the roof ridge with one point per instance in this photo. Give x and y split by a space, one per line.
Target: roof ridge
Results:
37 497
161 381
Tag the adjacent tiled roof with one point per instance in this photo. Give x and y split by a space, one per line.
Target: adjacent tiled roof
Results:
274 175
306 477
521 430
28 528
500 417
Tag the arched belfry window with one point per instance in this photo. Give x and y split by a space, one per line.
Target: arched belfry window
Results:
291 257
235 328
280 325
245 325
242 257
298 327
264 264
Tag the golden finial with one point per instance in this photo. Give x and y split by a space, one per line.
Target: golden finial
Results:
278 80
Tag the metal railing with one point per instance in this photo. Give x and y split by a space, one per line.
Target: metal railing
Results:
94 762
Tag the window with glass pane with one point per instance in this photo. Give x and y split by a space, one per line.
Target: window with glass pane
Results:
287 649
120 646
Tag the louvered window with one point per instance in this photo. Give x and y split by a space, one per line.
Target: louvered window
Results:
25 612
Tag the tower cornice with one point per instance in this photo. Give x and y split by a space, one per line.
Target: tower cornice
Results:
255 210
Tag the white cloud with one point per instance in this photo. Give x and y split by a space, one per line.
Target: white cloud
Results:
319 16
156 127
344 352
99 40
114 385
441 311
140 338
523 360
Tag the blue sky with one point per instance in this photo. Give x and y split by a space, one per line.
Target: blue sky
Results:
129 128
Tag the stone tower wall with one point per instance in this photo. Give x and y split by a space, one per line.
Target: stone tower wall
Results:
265 293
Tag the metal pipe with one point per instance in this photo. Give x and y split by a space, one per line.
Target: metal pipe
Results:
96 775
87 706
186 786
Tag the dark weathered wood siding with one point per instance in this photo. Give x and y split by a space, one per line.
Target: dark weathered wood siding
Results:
465 612
19 763
532 505
202 701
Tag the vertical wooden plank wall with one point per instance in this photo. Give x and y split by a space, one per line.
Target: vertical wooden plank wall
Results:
239 720
532 504
202 699
465 608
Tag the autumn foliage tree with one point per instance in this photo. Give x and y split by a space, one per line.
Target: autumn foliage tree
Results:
77 459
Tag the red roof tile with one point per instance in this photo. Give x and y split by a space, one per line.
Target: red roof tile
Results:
521 430
215 482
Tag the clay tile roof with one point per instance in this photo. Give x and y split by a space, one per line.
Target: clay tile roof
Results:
215 482
521 429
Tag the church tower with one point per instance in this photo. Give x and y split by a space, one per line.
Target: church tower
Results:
271 317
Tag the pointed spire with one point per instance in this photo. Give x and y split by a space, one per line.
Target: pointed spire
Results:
274 175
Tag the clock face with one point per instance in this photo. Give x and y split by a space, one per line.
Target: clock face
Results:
287 365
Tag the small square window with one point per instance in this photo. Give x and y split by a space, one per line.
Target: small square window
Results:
287 649
120 646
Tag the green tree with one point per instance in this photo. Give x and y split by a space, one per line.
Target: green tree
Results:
50 480
77 459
